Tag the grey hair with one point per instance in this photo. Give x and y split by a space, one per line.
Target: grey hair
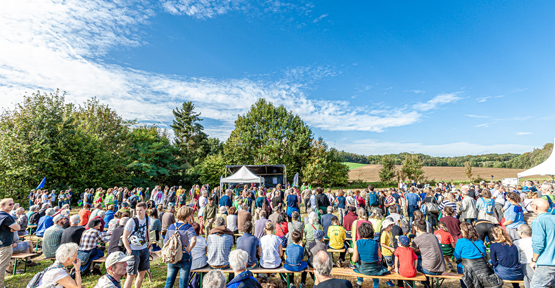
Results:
34 207
313 217
50 212
465 189
547 186
21 209
102 213
204 193
313 192
525 230
65 212
66 251
323 263
220 221
228 191
330 209
74 219
238 260
214 279
45 205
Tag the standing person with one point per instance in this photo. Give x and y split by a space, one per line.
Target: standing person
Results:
498 193
468 207
322 201
116 267
525 252
225 201
7 229
340 202
543 261
413 202
514 215
305 194
293 204
209 215
313 202
486 207
136 241
168 218
188 241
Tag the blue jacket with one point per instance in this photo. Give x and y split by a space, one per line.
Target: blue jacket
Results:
109 216
542 239
244 280
44 223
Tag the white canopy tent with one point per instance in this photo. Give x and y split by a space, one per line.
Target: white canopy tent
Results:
244 175
545 168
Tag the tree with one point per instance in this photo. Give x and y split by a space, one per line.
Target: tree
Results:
211 169
468 170
324 166
191 142
151 158
387 172
412 168
269 135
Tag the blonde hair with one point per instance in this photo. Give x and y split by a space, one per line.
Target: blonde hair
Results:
4 201
269 227
183 213
501 236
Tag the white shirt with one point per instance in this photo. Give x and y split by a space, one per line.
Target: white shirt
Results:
199 250
269 245
499 197
202 201
525 251
232 222
141 233
104 282
51 276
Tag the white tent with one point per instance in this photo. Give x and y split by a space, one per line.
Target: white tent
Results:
244 175
545 168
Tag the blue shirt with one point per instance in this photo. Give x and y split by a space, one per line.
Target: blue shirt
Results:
341 202
225 201
412 199
295 254
543 233
249 244
44 223
514 213
186 233
504 255
292 201
368 250
465 249
326 222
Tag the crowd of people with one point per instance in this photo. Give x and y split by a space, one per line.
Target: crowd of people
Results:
489 232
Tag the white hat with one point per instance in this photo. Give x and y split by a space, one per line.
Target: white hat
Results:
116 257
386 222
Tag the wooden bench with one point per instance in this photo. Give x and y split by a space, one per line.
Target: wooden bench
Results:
440 278
23 256
280 270
101 260
346 272
30 228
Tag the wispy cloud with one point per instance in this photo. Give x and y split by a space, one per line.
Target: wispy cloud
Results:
484 99
437 101
416 91
375 147
51 44
483 125
320 18
476 116
517 90
523 133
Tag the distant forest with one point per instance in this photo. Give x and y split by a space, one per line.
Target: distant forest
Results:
517 161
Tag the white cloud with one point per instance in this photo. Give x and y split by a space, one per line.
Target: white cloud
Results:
476 116
374 147
52 44
523 133
320 18
484 99
418 91
437 101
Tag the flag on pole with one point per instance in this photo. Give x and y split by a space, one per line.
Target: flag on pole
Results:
296 180
41 185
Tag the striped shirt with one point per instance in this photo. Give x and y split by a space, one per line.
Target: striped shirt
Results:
448 203
51 241
219 248
90 238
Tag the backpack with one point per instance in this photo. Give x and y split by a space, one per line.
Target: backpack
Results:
133 201
432 207
90 198
182 198
172 252
490 206
36 279
372 199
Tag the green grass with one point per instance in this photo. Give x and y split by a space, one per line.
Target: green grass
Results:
352 165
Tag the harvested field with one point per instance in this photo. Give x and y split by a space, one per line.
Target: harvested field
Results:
369 173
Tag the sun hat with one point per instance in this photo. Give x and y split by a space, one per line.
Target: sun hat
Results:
386 222
116 257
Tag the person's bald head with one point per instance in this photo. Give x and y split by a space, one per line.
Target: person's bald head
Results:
541 205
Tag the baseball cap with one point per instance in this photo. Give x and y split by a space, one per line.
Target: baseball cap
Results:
318 234
116 257
525 189
94 222
404 240
386 222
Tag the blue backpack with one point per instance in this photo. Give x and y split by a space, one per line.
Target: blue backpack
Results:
372 199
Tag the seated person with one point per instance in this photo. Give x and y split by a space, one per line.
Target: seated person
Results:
281 226
316 245
57 274
219 242
116 267
198 254
271 248
366 255
52 237
21 246
310 227
116 244
45 222
214 279
337 236
323 264
504 256
293 225
88 245
250 244
232 219
238 261
406 260
294 261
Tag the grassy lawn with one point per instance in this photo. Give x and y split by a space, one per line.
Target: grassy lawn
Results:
352 165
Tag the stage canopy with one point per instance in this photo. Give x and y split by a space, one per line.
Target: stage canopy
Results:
244 175
545 168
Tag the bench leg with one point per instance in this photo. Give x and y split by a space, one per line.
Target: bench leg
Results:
200 284
26 260
14 266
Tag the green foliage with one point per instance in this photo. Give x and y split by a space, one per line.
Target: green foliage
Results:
211 169
468 170
352 157
412 168
387 172
324 166
531 159
151 157
269 135
487 160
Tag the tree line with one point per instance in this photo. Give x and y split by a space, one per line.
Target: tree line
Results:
508 160
90 145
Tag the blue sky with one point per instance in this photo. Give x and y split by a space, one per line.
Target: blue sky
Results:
370 77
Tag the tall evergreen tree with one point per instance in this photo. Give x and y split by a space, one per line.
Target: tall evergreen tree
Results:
191 143
387 172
